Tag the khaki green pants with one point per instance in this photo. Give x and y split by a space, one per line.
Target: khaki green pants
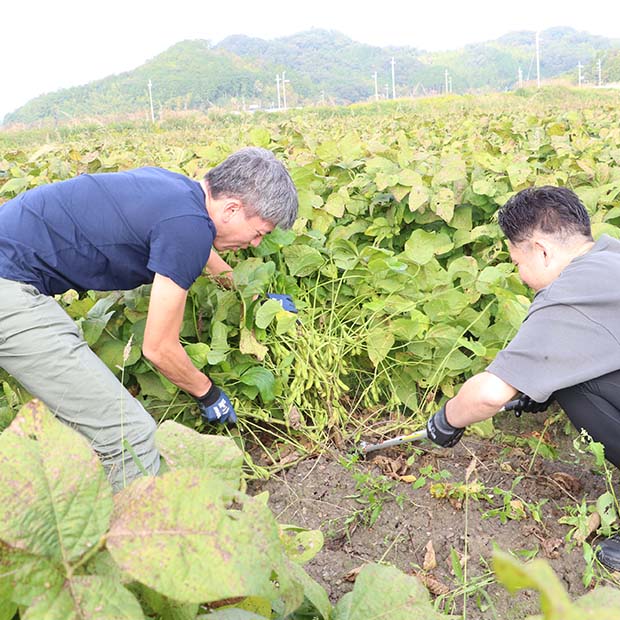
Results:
42 348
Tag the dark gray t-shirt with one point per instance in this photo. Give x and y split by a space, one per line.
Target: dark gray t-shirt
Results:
571 333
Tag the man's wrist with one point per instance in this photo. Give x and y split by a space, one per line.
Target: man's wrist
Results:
211 396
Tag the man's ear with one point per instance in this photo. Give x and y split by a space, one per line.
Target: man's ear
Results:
232 207
546 249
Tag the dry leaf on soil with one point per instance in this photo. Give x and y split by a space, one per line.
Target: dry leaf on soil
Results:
430 561
432 584
351 576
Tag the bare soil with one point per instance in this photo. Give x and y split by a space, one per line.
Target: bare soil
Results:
385 508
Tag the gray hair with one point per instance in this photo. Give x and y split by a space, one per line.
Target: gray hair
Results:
261 182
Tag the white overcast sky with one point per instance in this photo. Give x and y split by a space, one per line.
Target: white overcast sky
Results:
46 45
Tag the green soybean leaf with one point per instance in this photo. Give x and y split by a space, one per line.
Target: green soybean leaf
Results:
55 500
418 196
7 609
219 343
600 604
182 446
166 608
382 592
90 597
302 260
262 378
97 319
489 278
518 173
231 614
266 313
274 242
314 593
151 385
259 136
301 544
328 151
452 169
179 535
24 576
15 186
484 187
379 343
422 246
116 355
198 352
443 203
537 575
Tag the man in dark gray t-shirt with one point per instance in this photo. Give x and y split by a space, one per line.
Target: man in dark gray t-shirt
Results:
568 347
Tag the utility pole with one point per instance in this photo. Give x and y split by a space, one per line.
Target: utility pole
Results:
520 78
376 87
151 101
446 80
284 83
278 87
393 81
600 73
450 84
538 59
387 91
579 73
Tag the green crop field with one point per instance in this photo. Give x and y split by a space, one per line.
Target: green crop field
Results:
405 289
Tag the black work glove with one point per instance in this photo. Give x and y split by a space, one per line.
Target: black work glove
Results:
441 431
525 403
215 407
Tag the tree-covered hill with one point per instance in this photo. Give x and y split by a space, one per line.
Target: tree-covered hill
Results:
319 66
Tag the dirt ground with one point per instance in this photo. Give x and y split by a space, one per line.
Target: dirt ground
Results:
389 508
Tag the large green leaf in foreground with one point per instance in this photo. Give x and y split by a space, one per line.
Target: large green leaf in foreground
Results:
87 597
55 500
55 506
183 447
602 603
382 592
193 538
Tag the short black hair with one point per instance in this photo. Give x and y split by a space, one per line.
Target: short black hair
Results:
548 209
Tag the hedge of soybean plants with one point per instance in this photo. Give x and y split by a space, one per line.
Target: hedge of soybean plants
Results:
397 264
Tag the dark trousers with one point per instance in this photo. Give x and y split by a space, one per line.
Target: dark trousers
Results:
595 406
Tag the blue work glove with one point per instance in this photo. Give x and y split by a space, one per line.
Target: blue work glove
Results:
286 301
441 431
525 403
215 407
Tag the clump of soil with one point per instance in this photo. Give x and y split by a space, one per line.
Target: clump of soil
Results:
409 506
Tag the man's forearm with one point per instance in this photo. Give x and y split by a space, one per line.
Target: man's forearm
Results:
175 365
480 398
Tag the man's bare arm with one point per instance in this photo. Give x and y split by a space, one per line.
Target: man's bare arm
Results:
161 337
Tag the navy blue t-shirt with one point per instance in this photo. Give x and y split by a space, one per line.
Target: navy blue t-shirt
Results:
104 232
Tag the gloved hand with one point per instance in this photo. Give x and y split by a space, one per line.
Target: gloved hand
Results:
441 431
215 407
525 403
286 301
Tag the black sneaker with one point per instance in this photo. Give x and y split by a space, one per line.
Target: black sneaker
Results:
609 553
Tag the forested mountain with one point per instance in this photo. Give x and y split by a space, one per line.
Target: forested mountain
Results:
320 66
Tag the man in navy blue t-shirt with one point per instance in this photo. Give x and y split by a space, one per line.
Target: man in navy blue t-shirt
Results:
115 232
